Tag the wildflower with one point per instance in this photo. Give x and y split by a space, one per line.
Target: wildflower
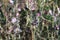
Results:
58 10
17 14
11 1
17 30
38 14
19 9
57 28
32 5
50 12
14 20
32 8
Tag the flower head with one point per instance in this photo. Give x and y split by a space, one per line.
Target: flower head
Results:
17 30
17 14
58 10
14 20
11 1
19 9
38 14
50 11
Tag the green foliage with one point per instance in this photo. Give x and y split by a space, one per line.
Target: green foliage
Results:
2 18
48 17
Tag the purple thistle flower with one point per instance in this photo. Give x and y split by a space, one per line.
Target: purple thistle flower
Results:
19 9
57 27
38 14
17 14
